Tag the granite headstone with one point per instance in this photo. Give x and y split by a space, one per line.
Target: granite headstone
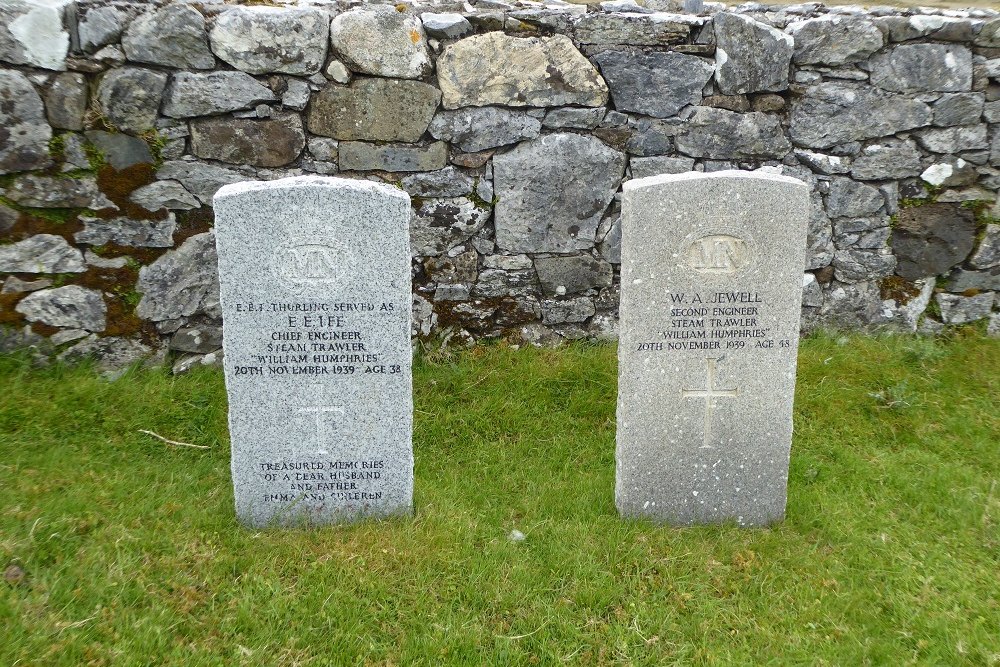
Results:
711 288
315 291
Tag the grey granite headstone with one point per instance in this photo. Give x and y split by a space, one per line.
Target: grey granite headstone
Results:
711 287
315 290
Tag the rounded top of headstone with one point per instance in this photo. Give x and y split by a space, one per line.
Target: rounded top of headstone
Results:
295 182
739 174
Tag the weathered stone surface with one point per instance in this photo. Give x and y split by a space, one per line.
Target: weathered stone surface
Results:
560 276
658 29
200 179
942 28
857 265
271 142
987 255
128 232
113 355
500 282
173 36
321 243
477 129
849 199
912 68
374 110
24 132
200 339
643 167
130 98
949 140
655 84
14 285
832 114
834 40
261 40
961 280
445 25
194 94
553 192
71 306
958 109
704 428
100 26
989 36
537 72
33 33
892 159
564 311
717 133
8 218
950 172
360 156
750 56
164 194
574 118
381 41
181 282
928 240
958 309
66 101
41 253
438 224
120 150
447 182
57 192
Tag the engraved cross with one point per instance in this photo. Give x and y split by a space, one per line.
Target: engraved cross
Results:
321 411
710 393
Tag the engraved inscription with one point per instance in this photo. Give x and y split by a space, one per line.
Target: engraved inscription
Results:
718 253
710 393
321 425
309 262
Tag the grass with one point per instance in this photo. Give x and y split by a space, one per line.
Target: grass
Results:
889 555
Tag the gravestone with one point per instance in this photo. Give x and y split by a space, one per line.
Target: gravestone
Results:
711 288
315 291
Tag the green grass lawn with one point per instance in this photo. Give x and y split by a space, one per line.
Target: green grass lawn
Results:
890 553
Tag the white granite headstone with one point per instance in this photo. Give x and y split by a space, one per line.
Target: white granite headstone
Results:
315 291
711 290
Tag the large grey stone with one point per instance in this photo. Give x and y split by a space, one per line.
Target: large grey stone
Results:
522 72
192 94
181 282
200 179
57 192
849 199
856 265
832 114
987 255
71 307
100 26
128 232
750 56
643 167
261 40
66 101
574 118
447 182
130 98
319 380
120 150
270 142
173 36
33 32
950 140
657 29
721 134
374 110
445 25
889 160
961 280
475 129
112 355
164 194
709 324
41 253
910 68
834 40
959 109
655 84
24 132
381 41
200 339
361 156
958 309
553 191
442 223
929 240
563 311
559 276
941 28
989 36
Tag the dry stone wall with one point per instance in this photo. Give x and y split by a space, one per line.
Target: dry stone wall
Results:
511 125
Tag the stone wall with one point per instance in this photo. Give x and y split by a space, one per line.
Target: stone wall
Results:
511 125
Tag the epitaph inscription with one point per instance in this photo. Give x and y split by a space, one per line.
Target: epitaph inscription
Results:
315 291
709 323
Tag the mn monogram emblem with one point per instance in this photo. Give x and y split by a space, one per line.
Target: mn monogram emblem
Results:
309 262
718 253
